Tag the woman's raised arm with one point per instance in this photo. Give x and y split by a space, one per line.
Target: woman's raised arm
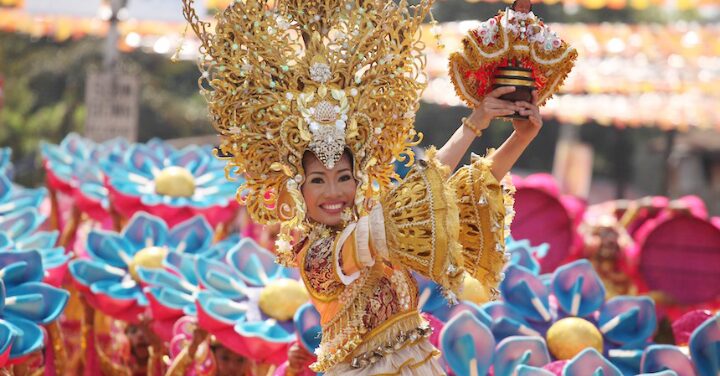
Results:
508 153
455 148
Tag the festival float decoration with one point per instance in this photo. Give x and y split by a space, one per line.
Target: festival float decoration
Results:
20 225
173 289
514 48
677 249
66 166
6 167
568 309
109 280
538 200
19 232
249 302
470 348
696 350
14 198
172 184
27 304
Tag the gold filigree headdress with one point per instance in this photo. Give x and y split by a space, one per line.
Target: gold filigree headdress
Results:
286 76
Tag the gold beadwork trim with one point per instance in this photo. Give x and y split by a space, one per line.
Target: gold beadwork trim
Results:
513 82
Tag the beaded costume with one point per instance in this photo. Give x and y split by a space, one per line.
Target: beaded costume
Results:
289 76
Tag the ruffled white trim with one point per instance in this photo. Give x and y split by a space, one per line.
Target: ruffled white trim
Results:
414 360
345 279
377 231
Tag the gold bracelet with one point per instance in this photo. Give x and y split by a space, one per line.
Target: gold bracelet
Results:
466 123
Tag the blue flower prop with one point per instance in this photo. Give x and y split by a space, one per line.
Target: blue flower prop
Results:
25 303
249 302
109 278
14 198
19 231
63 162
572 300
173 290
172 184
6 167
470 348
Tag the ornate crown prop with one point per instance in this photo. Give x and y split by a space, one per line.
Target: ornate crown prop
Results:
285 76
514 48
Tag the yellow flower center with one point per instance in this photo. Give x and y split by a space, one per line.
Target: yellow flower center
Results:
282 297
175 181
149 258
571 335
474 291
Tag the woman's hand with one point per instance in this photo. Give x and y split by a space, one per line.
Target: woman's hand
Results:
528 128
298 360
492 106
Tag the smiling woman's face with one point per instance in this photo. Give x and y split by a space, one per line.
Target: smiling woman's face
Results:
327 192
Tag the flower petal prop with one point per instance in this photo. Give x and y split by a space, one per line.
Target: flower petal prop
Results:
520 352
307 325
705 347
7 337
6 167
14 198
59 160
508 321
465 341
578 289
526 292
524 254
659 358
628 321
19 231
590 362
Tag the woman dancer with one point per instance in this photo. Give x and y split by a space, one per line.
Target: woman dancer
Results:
314 101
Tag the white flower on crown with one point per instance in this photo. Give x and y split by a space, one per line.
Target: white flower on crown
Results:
513 15
488 31
320 73
282 23
551 41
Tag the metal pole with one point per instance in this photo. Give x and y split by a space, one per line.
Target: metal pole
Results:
667 154
111 52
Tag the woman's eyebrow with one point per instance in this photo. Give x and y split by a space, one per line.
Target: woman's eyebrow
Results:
321 173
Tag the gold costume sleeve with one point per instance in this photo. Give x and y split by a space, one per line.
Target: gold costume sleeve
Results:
485 208
441 227
422 224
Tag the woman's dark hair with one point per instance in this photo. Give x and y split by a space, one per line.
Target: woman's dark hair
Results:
516 1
